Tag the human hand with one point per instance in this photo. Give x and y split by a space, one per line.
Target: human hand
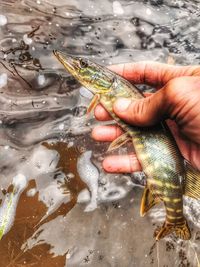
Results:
178 100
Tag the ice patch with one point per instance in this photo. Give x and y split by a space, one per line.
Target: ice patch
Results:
3 20
42 161
112 193
3 80
117 8
85 93
90 175
53 203
84 196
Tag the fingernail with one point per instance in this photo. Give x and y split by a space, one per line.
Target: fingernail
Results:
122 104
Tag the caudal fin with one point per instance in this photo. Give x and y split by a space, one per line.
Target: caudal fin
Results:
181 230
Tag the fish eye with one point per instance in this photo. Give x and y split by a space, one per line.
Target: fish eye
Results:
83 63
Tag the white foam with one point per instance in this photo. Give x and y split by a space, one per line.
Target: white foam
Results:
41 79
3 20
61 126
117 8
27 40
31 192
20 181
148 11
3 80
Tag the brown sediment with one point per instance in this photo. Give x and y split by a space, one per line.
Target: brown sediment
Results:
38 256
67 164
30 211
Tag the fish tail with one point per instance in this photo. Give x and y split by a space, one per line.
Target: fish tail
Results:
181 230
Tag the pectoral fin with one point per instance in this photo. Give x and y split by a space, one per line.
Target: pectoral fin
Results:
93 103
192 182
181 230
120 141
148 201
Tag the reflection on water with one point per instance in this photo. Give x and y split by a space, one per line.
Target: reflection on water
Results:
45 133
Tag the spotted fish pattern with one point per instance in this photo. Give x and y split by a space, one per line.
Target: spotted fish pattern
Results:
155 147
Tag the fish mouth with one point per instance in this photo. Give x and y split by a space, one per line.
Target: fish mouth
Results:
69 62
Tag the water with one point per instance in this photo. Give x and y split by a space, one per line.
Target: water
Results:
44 130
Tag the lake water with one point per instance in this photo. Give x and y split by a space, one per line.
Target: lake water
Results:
45 134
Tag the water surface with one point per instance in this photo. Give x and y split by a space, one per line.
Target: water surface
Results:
44 130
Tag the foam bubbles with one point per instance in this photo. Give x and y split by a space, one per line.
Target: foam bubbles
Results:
148 11
31 192
3 20
41 79
61 126
27 40
117 8
3 80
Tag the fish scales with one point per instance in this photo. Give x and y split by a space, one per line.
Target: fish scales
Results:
155 147
160 162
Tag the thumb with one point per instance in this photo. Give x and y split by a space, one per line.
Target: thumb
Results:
142 112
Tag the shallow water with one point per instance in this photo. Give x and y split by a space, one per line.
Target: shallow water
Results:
44 132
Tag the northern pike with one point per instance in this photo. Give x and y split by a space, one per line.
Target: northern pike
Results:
168 175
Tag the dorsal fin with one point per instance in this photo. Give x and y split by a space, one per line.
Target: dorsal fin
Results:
192 182
148 201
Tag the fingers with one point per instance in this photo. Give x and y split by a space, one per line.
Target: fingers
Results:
152 73
101 114
143 112
121 164
106 133
115 163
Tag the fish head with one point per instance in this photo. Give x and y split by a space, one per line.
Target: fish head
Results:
91 75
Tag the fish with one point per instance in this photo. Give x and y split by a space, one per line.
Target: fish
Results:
168 175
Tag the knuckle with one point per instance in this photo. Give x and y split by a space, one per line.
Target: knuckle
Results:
138 111
174 89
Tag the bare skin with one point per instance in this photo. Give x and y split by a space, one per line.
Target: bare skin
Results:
177 100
